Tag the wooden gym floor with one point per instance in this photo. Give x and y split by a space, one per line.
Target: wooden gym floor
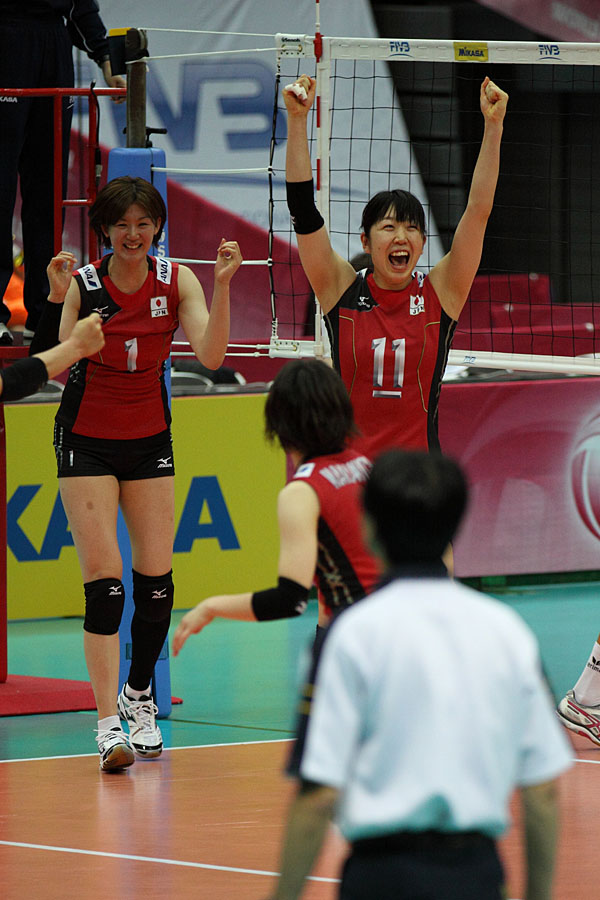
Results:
205 820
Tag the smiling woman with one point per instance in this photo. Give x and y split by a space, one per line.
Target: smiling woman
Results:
392 325
113 441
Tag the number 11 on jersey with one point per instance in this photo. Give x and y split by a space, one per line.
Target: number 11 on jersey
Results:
399 348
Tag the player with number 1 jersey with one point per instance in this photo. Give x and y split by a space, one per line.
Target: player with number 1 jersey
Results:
127 375
113 446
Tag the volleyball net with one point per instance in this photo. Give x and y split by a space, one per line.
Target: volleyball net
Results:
394 112
535 301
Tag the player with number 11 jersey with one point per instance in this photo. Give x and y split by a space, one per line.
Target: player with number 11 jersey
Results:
391 348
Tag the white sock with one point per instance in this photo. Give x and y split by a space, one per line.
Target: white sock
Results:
109 723
587 689
137 695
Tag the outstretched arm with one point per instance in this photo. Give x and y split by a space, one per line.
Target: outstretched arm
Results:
298 514
85 340
453 276
208 333
329 274
26 376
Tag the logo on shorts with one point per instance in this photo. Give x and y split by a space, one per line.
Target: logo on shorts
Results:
158 307
115 590
159 595
165 462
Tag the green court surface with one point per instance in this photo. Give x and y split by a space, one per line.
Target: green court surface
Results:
238 680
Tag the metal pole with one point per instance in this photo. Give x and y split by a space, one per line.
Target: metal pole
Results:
136 45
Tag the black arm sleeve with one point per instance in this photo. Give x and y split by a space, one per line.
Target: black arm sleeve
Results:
306 218
46 333
24 377
285 601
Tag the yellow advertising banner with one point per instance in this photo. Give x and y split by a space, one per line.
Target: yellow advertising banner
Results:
227 478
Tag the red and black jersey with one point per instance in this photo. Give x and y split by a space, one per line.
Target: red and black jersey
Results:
391 348
120 392
346 571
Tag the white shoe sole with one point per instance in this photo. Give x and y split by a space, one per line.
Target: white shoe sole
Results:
577 729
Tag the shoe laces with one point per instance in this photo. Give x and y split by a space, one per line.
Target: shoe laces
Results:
106 734
143 711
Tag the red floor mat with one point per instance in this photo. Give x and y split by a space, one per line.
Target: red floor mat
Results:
23 695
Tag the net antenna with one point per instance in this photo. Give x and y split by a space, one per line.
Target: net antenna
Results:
534 303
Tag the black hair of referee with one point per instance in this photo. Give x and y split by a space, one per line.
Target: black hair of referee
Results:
430 493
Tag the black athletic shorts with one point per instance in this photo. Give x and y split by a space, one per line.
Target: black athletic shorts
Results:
127 460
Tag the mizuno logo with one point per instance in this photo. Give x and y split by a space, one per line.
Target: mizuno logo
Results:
159 595
101 310
115 590
165 462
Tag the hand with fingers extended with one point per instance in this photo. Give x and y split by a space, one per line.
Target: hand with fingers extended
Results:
299 96
60 272
192 623
229 259
493 101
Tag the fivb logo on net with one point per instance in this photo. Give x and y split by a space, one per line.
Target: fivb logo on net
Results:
549 51
400 48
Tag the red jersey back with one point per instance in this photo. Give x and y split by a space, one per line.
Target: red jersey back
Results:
346 571
391 348
120 392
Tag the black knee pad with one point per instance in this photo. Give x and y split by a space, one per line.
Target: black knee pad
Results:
104 600
153 596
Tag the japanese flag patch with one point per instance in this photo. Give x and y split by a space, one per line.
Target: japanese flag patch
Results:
158 307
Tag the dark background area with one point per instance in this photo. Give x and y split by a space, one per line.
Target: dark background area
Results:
547 200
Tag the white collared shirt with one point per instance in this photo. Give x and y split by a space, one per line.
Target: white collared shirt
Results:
429 709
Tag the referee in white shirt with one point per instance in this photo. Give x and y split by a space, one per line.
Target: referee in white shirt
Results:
429 708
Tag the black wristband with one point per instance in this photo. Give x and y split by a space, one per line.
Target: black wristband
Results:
285 601
24 377
306 218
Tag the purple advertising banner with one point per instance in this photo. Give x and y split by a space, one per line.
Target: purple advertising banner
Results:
531 451
563 20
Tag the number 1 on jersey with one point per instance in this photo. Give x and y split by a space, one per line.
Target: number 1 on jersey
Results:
131 347
399 348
